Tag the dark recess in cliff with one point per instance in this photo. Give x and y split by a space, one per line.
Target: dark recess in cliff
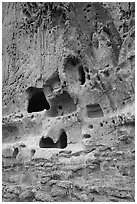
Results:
81 75
94 111
48 142
36 100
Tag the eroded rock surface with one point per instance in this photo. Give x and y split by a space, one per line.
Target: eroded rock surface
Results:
68 102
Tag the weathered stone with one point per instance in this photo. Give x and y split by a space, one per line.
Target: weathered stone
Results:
52 182
45 180
64 184
26 195
68 101
56 191
10 196
8 152
43 196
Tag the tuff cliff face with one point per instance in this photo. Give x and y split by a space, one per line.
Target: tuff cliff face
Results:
68 101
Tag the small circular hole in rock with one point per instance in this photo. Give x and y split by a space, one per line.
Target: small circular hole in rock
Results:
90 126
87 136
101 124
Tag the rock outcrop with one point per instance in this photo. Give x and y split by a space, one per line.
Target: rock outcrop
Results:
68 99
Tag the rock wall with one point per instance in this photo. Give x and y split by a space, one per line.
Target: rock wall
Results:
68 83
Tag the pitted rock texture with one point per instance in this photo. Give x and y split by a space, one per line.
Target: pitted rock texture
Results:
68 99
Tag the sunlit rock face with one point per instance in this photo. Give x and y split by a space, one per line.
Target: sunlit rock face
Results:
68 94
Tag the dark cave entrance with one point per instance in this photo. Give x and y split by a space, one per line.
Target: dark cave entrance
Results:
37 100
74 71
62 142
15 152
81 72
94 111
48 142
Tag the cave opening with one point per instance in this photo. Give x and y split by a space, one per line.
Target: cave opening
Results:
36 100
74 71
94 111
15 152
72 60
81 75
49 143
60 107
62 142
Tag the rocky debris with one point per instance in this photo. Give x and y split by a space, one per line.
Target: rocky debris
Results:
26 195
45 180
42 196
56 191
83 197
9 197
